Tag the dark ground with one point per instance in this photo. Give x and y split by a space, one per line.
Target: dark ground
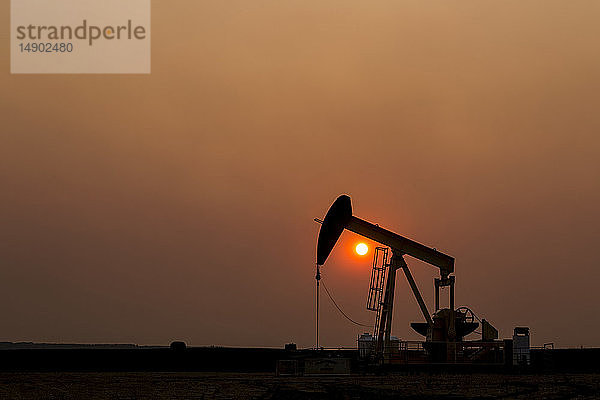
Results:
148 385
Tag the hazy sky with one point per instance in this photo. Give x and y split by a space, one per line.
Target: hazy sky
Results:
179 205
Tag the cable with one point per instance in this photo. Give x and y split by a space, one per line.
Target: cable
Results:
339 309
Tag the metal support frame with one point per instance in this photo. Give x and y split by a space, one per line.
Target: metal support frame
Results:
415 290
385 322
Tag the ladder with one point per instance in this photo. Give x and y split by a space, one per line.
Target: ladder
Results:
375 298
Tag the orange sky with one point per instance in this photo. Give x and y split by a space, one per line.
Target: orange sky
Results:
179 205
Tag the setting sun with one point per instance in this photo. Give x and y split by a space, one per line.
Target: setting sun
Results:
362 249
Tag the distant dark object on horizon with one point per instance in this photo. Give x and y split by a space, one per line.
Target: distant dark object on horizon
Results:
291 346
178 346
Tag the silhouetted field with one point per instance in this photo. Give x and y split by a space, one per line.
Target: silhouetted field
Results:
144 385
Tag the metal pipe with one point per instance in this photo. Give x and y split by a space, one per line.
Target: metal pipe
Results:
318 279
437 294
452 294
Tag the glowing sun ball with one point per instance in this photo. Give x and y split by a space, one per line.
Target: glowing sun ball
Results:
362 249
